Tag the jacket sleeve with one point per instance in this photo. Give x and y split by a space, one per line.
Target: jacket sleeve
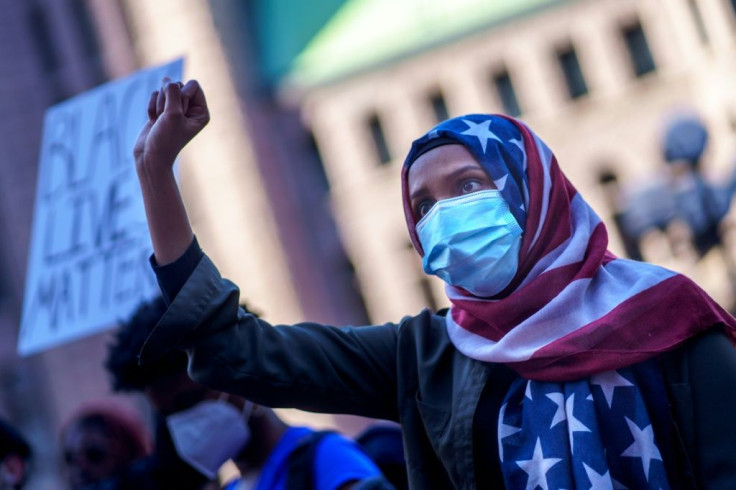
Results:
712 372
307 366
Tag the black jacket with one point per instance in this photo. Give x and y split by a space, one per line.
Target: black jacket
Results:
410 372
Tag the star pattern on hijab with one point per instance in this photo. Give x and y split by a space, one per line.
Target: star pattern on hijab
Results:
482 131
575 425
643 446
609 381
558 399
537 468
598 481
601 436
504 431
501 182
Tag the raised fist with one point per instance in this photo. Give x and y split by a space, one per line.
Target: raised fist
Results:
176 113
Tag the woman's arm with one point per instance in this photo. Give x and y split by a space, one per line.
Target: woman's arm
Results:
308 366
176 113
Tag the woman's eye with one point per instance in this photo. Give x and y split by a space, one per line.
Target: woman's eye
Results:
423 208
469 186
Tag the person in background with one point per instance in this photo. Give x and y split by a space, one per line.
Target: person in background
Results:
702 205
100 442
165 469
15 456
210 427
384 444
679 203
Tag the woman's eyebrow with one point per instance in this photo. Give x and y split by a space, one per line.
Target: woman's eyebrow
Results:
417 194
466 168
459 171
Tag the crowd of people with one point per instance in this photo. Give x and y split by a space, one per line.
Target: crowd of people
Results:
196 430
557 365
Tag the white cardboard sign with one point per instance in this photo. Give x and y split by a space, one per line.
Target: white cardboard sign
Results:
88 259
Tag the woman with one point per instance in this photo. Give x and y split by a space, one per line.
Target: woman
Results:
558 364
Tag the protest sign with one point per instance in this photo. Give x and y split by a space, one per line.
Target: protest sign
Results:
88 258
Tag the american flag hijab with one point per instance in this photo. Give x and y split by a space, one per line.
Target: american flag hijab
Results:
573 309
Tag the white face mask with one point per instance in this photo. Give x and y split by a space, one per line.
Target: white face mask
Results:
209 433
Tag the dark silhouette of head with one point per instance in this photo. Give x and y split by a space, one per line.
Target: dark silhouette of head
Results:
15 455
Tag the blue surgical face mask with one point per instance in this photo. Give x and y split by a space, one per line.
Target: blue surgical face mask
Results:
472 242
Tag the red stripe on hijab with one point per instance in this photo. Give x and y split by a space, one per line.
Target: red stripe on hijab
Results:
634 331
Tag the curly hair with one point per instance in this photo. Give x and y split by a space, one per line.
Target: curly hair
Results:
122 355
